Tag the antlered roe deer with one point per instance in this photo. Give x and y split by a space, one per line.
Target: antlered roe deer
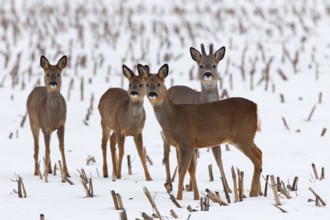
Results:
191 126
47 111
208 76
122 113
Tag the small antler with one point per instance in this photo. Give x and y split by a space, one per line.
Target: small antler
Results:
211 50
203 49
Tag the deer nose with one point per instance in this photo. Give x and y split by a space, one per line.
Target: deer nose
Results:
53 84
208 76
152 95
134 93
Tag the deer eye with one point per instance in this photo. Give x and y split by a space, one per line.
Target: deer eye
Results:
214 66
58 75
129 85
140 85
147 85
201 66
47 74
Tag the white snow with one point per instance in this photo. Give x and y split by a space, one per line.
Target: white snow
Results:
152 32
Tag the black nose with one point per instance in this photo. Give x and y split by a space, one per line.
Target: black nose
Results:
152 94
208 74
53 83
134 93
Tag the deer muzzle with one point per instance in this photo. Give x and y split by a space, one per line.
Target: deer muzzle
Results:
134 94
152 95
208 76
53 85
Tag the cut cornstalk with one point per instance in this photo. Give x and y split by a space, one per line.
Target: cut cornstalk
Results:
152 202
274 187
235 184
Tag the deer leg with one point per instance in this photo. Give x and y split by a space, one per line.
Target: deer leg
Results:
217 155
255 155
185 156
192 173
47 146
35 133
139 145
105 138
166 161
60 135
121 142
113 142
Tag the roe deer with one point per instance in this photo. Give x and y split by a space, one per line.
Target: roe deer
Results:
208 76
47 111
122 112
191 126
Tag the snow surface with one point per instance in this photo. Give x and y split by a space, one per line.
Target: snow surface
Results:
153 32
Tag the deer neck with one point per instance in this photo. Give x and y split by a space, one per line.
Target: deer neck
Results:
135 108
164 111
56 109
54 101
210 92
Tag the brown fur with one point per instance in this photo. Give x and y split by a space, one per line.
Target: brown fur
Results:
188 127
124 115
47 111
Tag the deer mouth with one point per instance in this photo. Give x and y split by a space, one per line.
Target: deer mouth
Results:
208 76
53 85
152 95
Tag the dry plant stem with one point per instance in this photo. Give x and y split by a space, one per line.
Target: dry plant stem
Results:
210 173
266 186
215 198
235 184
173 199
191 209
317 196
324 130
274 187
115 201
315 171
322 174
174 174
123 215
295 184
129 165
285 124
146 217
225 190
42 217
152 202
173 214
55 168
120 202
45 171
282 210
311 114
61 169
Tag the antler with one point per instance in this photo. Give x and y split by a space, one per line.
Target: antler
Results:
211 50
203 49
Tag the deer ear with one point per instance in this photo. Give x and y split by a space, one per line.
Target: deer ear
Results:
62 62
127 72
219 54
163 72
44 62
143 71
195 54
147 68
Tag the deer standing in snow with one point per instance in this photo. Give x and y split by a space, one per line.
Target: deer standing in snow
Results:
208 76
47 111
191 126
122 113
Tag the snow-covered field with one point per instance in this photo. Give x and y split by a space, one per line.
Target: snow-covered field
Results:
100 36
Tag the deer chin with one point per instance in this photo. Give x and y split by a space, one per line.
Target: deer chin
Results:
53 87
208 78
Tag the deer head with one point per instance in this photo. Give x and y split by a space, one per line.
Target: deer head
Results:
155 83
207 64
53 73
136 87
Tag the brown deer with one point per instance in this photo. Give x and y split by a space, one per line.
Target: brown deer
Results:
208 76
122 113
191 126
47 111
